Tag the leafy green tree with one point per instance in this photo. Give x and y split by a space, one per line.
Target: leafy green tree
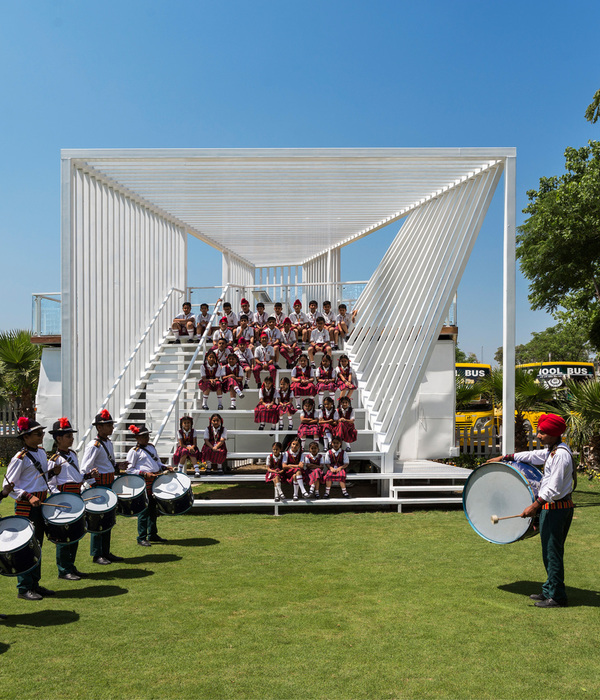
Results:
580 408
19 370
562 342
467 393
461 356
559 243
592 113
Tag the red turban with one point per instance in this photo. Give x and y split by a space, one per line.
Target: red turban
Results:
551 424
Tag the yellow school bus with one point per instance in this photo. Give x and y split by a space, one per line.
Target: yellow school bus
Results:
481 411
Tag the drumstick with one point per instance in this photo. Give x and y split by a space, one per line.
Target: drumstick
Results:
495 518
54 505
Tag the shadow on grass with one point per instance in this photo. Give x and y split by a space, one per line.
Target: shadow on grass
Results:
195 542
93 592
43 618
578 597
119 573
4 647
154 558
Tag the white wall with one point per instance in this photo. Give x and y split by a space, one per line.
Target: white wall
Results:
48 400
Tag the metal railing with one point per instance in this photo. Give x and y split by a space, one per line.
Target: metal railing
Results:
45 314
8 421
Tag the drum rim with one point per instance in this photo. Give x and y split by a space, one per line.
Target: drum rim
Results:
106 488
30 525
64 522
171 476
523 479
128 476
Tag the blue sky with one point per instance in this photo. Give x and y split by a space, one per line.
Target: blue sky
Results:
273 73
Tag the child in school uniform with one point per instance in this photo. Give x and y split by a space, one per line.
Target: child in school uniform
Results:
187 445
313 461
210 380
299 320
244 331
311 317
289 349
143 460
232 319
274 337
245 358
345 429
233 379
185 323
264 359
330 323
203 321
222 352
345 377
335 462
319 341
246 310
214 451
309 421
294 467
275 469
345 321
259 319
303 380
328 420
326 379
266 411
285 405
278 315
222 332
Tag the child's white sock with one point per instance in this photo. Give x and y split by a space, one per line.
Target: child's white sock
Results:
295 488
300 482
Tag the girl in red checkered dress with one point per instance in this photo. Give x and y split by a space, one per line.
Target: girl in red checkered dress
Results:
215 443
313 461
294 466
346 379
275 469
266 411
210 379
285 405
187 445
309 421
326 379
303 380
336 461
345 429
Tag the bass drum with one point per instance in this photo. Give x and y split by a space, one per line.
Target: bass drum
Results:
502 488
64 518
173 493
20 552
100 509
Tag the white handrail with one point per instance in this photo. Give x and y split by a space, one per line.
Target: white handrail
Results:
201 343
129 361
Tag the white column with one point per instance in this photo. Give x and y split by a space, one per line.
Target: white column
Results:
509 325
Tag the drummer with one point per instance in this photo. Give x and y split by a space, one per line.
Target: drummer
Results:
100 455
29 472
4 491
553 503
144 461
68 480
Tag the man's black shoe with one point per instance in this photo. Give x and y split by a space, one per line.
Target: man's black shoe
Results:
101 560
156 538
537 596
30 595
114 557
550 603
144 543
44 591
70 577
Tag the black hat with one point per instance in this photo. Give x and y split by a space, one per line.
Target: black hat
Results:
103 418
62 427
138 430
28 425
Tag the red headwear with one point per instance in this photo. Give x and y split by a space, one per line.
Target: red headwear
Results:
104 414
286 320
297 303
223 320
551 424
245 301
64 423
134 429
23 423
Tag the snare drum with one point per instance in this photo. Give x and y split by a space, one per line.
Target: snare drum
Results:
132 498
20 552
502 488
173 493
64 525
100 509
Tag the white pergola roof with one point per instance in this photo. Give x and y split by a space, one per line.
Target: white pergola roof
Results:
285 205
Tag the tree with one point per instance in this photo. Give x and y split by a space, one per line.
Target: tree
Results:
461 356
19 370
592 113
559 244
580 407
563 342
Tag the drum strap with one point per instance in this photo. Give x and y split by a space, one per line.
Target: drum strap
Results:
111 459
38 466
147 451
573 464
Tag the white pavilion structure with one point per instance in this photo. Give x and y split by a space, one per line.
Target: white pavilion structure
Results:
280 218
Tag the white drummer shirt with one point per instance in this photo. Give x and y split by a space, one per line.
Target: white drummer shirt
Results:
143 459
95 457
22 472
557 480
69 473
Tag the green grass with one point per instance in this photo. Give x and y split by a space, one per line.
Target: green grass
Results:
347 605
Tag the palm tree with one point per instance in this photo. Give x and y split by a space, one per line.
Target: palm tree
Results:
19 370
529 396
580 408
467 393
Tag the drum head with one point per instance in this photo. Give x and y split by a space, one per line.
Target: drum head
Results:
170 486
128 486
73 508
15 532
497 489
102 499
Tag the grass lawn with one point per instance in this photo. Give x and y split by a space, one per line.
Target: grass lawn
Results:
310 605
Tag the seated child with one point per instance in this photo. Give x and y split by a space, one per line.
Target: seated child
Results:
210 379
336 460
328 420
187 445
232 379
214 451
274 337
319 341
346 379
244 331
203 321
222 332
292 463
330 323
299 320
309 421
246 310
345 321
264 359
232 319
245 358
345 429
278 315
285 403
259 319
289 344
311 318
275 469
223 351
266 411
326 379
303 380
313 461
185 323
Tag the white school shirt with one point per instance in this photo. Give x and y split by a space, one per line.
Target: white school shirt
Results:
285 457
218 334
557 480
351 377
222 355
209 434
345 454
341 414
334 415
275 395
312 318
138 460
289 337
307 456
264 354
279 319
260 319
274 334
319 337
245 354
300 318
329 317
22 473
95 456
232 320
202 319
345 318
203 370
186 317
70 472
271 461
247 333
297 373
